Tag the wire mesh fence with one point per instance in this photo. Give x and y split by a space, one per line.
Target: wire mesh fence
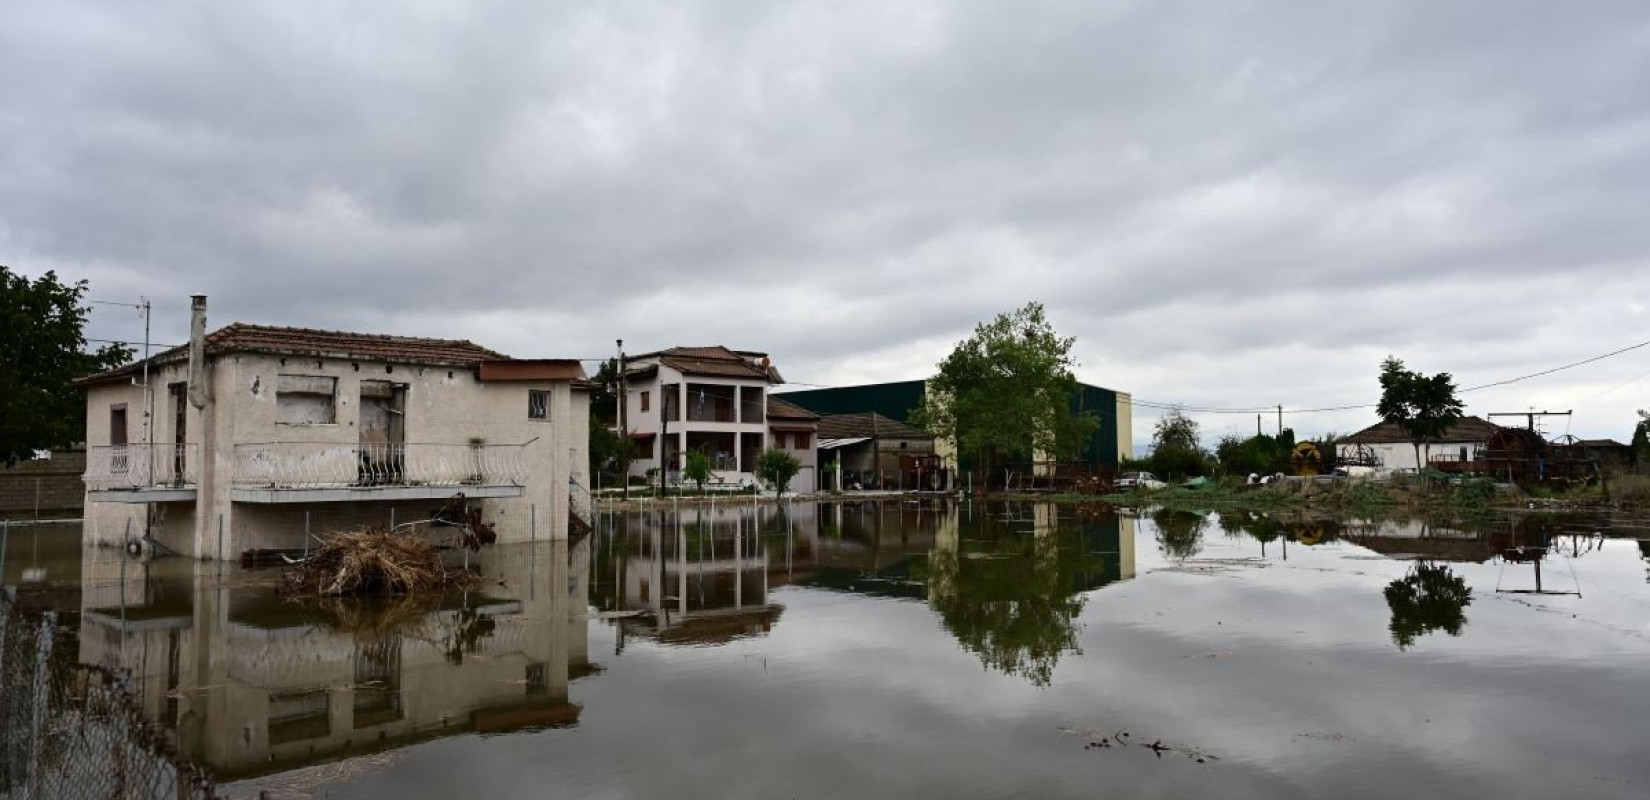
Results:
72 730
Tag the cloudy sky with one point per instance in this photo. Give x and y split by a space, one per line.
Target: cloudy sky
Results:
1229 204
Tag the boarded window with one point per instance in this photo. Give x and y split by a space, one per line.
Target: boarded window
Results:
306 400
803 440
538 404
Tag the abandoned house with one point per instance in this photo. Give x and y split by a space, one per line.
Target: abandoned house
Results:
871 451
713 400
260 434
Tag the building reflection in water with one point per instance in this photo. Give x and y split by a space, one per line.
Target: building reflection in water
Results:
248 683
1008 583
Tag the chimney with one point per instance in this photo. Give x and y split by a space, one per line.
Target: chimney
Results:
197 351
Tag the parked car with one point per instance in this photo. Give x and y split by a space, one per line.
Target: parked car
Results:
1131 481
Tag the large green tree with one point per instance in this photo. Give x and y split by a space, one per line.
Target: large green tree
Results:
776 467
1176 448
1423 406
1005 393
42 348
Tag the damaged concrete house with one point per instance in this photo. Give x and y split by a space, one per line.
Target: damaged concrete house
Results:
259 433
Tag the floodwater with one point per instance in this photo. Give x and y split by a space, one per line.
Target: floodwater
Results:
913 650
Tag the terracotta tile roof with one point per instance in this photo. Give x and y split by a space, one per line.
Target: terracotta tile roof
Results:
780 409
240 337
1466 429
867 424
715 362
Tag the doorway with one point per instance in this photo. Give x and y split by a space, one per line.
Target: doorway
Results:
383 433
179 396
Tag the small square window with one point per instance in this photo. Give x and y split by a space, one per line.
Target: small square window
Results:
538 404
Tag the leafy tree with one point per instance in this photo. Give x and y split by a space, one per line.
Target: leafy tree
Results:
1429 598
1175 449
776 467
42 348
610 453
1260 454
1424 407
697 468
1004 393
604 395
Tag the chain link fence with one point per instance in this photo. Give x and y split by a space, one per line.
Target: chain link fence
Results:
73 731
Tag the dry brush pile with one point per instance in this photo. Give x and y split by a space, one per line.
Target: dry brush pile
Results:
373 561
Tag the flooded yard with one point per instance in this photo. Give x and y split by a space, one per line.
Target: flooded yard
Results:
897 649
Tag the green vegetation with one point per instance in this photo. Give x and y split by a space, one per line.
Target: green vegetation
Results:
1259 454
1004 392
1425 407
42 344
1641 440
1176 452
776 467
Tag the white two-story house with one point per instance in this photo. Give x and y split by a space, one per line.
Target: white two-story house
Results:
252 436
714 400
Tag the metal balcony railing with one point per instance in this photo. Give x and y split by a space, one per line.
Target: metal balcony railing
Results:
141 466
315 465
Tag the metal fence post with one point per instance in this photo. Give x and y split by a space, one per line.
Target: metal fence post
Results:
220 543
533 522
306 534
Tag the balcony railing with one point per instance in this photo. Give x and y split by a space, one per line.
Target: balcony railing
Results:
140 466
314 465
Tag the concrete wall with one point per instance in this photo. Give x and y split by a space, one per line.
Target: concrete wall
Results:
48 487
1402 455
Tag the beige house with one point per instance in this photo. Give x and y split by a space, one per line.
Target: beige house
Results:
259 434
716 401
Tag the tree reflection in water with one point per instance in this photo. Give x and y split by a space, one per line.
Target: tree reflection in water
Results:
1011 596
1430 598
1179 533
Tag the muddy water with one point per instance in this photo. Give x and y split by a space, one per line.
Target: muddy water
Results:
912 650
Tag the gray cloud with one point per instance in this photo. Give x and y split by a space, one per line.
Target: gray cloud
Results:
1234 205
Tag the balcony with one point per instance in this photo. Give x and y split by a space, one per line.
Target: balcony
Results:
141 473
289 472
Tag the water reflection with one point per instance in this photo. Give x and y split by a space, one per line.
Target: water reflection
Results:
1006 583
1430 598
248 682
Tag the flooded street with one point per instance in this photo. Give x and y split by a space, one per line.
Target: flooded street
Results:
905 649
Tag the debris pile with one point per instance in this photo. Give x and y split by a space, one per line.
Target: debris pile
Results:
373 561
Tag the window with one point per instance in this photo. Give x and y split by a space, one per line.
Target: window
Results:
538 404
305 399
647 401
802 440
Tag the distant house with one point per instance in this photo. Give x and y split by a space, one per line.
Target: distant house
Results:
1388 446
261 432
1112 441
714 400
876 452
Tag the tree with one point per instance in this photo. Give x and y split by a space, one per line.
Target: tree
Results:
1176 452
776 467
697 468
1424 407
609 452
42 349
1005 393
1259 454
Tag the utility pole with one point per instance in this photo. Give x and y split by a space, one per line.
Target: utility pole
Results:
1257 424
1280 419
624 430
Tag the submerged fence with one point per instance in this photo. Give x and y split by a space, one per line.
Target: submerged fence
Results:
71 730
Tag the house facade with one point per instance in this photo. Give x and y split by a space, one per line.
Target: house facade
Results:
714 400
262 434
1386 447
871 451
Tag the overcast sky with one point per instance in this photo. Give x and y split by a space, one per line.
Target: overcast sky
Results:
1229 204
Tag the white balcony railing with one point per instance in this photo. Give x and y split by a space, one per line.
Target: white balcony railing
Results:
141 466
314 465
